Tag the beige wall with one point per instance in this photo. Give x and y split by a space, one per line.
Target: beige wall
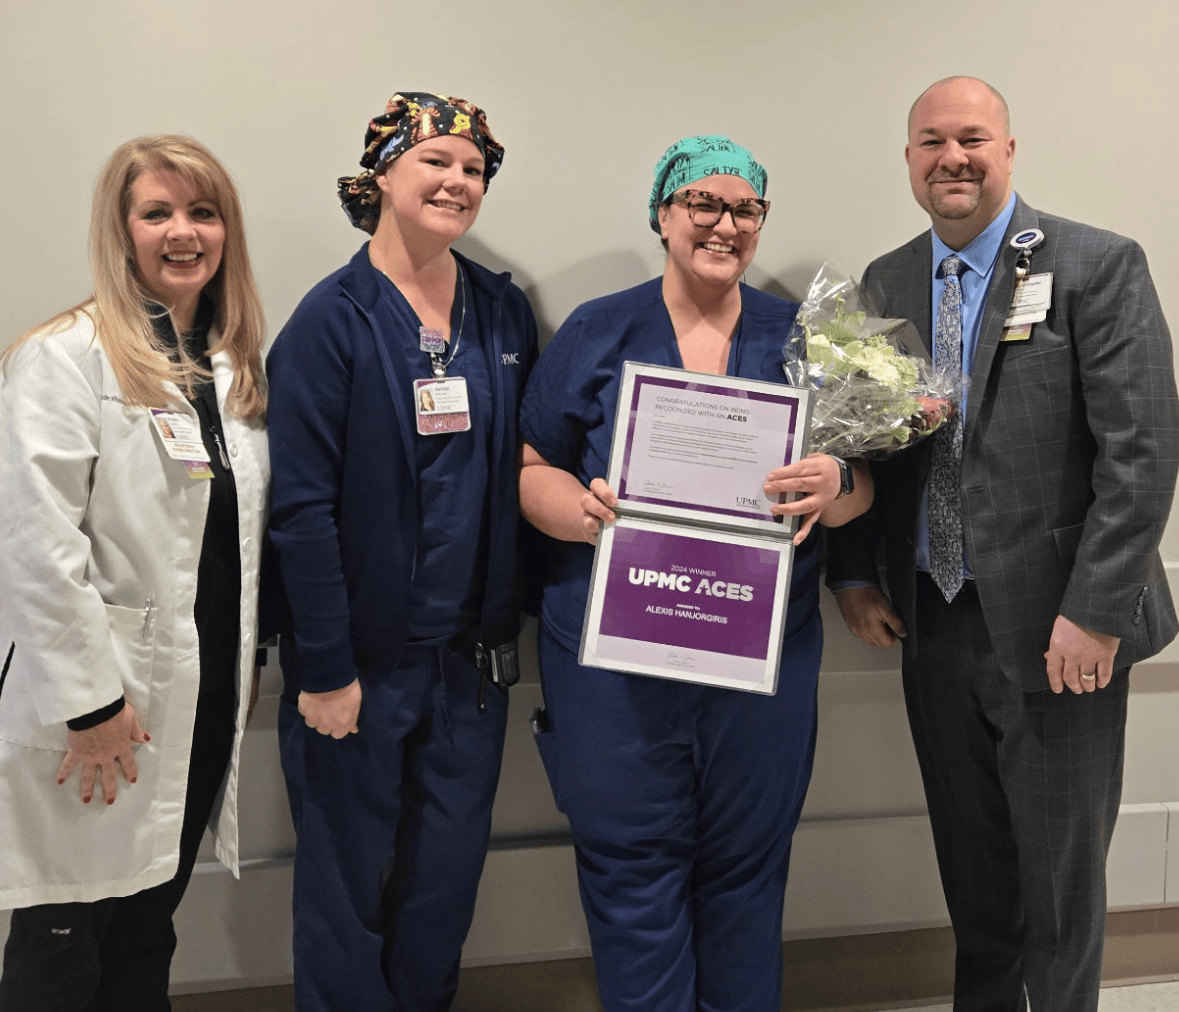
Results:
585 97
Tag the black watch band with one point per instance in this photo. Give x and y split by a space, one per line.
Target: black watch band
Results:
847 478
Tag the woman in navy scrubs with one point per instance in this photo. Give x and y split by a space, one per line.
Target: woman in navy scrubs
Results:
395 388
682 798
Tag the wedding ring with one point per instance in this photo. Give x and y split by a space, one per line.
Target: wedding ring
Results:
1088 677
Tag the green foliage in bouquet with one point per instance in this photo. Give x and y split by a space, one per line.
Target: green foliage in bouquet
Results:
837 349
872 396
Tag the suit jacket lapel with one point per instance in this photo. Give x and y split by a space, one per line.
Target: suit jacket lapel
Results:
917 307
917 299
998 302
900 286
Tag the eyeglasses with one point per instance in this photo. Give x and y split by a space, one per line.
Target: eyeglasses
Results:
706 210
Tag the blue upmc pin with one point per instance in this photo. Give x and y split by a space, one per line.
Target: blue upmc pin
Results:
1025 241
1028 239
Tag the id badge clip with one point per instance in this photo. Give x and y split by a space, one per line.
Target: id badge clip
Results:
1032 297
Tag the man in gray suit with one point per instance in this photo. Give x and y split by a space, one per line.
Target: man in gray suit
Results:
1021 550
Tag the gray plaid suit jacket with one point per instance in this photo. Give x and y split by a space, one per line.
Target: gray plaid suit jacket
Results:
1070 452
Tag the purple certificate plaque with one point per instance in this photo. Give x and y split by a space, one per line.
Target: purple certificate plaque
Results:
698 447
694 605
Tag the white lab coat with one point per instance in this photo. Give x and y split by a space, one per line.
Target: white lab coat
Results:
100 536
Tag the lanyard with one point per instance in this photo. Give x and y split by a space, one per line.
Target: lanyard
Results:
430 340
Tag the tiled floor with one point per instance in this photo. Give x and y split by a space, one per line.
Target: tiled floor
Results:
1136 998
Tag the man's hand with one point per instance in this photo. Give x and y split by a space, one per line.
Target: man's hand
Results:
1079 658
98 748
333 712
870 615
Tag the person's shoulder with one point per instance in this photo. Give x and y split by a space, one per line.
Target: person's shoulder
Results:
55 355
767 305
1081 255
496 285
1055 223
70 335
1077 236
74 329
640 297
484 279
916 250
594 330
330 307
328 294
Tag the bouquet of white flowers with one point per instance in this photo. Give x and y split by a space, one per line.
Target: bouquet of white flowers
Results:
876 389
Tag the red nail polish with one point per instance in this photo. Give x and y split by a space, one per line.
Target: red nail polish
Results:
133 779
85 801
146 736
110 801
60 781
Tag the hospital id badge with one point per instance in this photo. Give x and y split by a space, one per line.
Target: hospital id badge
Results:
1031 301
441 405
182 441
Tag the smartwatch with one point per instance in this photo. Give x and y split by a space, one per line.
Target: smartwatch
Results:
847 478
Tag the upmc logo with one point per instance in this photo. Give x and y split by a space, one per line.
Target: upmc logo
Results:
510 358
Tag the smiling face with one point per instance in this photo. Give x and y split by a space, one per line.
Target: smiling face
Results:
435 189
715 256
178 236
960 157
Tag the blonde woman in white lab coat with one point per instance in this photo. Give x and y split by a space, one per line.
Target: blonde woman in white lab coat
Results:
134 470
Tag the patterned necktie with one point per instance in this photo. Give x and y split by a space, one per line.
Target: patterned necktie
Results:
945 506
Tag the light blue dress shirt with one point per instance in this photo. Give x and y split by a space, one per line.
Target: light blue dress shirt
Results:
979 257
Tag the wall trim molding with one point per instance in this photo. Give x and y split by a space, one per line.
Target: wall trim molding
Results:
851 878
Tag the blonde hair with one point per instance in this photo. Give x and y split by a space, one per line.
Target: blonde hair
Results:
123 323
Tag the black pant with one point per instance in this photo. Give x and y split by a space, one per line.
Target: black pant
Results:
114 955
1023 791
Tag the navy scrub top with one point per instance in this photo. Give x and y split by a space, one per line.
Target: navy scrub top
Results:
450 570
568 418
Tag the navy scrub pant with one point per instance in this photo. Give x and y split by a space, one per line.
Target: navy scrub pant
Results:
682 800
392 825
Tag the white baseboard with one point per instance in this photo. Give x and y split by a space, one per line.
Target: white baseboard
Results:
849 876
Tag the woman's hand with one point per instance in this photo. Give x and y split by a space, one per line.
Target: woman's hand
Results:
816 479
335 712
98 748
597 506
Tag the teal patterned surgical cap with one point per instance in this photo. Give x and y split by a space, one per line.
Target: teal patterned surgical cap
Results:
694 158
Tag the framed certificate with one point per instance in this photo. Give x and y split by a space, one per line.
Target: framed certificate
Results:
670 601
692 581
697 447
